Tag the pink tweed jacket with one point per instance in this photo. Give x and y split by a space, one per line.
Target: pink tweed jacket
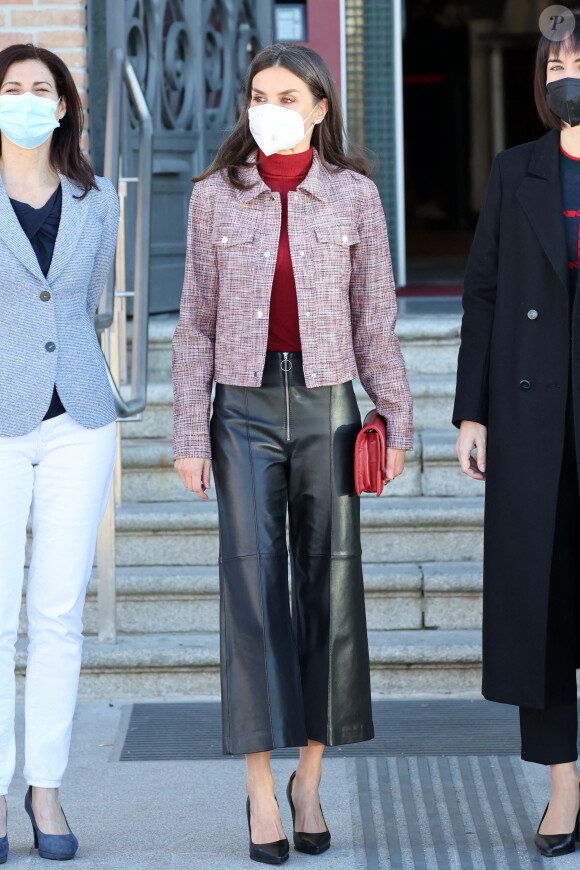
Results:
344 283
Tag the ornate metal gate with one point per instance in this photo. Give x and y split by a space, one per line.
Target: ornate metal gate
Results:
191 57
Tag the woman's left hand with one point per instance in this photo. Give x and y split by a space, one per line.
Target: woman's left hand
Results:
395 462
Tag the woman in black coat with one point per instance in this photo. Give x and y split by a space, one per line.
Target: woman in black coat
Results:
518 406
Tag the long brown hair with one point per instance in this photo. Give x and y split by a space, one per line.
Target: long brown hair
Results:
327 138
65 147
545 49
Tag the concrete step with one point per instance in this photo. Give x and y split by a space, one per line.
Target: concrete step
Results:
431 469
177 665
149 475
433 396
444 595
415 529
452 594
396 530
187 599
429 343
441 472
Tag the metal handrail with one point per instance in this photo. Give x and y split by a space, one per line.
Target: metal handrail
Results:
121 71
111 319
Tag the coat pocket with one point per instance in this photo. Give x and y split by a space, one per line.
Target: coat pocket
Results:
231 237
343 237
333 250
236 256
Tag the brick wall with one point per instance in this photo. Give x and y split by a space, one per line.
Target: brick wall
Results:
53 24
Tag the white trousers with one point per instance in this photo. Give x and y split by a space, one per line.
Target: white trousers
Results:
63 472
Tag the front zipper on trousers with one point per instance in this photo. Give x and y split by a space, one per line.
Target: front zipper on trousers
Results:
286 365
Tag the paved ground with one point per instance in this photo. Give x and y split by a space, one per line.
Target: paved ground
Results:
385 813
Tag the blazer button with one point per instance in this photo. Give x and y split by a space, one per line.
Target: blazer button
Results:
525 385
50 346
532 314
45 295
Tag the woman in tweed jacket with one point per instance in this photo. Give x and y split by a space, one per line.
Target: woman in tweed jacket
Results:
58 229
288 290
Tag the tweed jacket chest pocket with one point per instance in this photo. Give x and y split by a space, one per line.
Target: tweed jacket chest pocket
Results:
332 251
236 254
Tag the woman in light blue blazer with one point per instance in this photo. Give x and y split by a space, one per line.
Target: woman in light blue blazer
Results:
58 229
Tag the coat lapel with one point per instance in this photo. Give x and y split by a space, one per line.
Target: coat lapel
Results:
72 219
541 198
14 236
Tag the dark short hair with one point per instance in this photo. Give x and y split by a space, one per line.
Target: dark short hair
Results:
65 147
545 48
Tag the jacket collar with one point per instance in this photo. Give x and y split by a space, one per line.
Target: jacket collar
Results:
317 182
72 219
540 195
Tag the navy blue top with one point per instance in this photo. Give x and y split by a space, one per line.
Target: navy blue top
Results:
570 181
41 227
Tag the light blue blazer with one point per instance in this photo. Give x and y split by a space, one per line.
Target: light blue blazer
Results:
46 324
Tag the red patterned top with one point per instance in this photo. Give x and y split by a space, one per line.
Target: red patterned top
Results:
283 173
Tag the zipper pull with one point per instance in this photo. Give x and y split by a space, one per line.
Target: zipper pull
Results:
286 363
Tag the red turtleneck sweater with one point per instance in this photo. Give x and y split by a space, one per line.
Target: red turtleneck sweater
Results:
283 173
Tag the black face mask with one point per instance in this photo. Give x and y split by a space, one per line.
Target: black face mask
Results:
563 97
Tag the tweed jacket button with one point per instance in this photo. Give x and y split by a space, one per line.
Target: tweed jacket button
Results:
50 346
525 385
224 240
532 314
302 253
345 238
259 315
266 253
45 295
308 314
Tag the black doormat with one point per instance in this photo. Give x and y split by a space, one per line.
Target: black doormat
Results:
192 731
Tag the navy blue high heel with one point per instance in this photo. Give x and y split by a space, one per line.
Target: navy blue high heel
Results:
4 845
55 847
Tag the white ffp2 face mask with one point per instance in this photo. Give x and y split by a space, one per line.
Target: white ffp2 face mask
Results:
27 120
276 128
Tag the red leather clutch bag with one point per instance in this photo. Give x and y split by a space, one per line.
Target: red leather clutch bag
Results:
370 454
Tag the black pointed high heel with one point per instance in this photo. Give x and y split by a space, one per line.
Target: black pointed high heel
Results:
553 845
311 844
267 853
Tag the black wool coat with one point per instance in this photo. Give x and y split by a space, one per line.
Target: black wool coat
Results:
517 353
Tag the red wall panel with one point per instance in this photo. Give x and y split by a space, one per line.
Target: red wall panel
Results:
323 23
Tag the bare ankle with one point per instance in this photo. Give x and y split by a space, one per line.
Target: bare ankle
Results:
261 785
308 778
564 774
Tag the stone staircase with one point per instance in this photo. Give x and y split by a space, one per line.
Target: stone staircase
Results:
422 550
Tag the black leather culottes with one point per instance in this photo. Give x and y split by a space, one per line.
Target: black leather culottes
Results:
289 674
